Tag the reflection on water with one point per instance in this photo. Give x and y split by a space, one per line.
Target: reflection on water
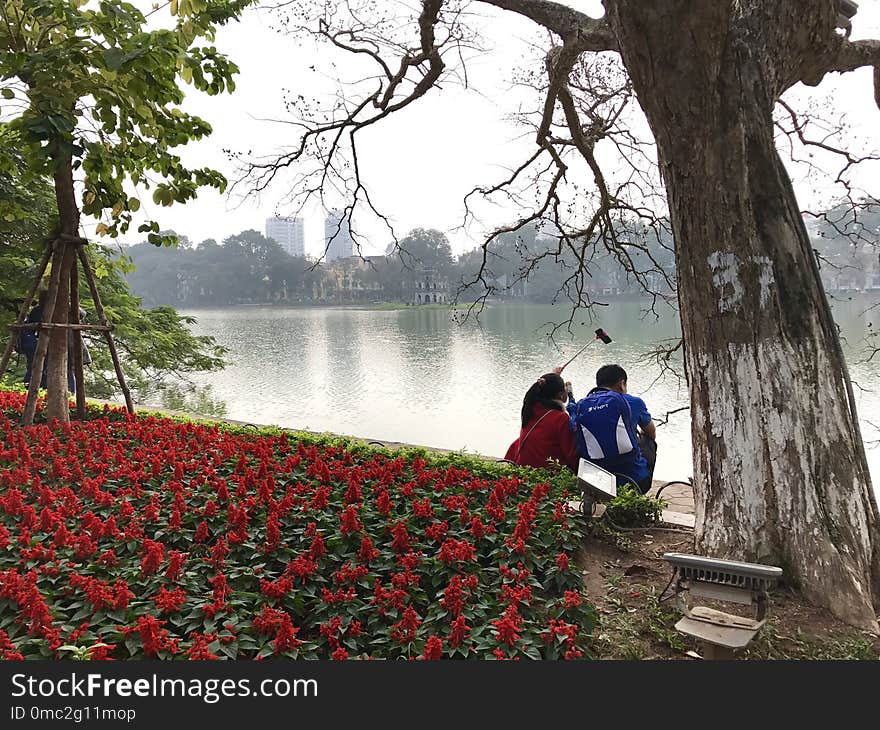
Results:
415 376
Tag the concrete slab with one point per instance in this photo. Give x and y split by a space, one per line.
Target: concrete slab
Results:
680 519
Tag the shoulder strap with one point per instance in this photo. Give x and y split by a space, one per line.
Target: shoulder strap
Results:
523 439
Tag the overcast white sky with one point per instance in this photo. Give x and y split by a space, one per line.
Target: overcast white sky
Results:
420 163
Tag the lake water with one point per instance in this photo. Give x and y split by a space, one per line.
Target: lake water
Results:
414 375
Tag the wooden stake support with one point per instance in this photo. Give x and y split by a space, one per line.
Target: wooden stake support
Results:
99 308
56 248
25 308
76 327
70 326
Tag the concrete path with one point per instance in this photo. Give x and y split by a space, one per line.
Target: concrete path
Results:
679 500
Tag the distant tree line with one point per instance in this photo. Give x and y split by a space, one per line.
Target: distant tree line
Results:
847 241
249 268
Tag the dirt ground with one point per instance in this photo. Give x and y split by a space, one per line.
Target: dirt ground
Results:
625 575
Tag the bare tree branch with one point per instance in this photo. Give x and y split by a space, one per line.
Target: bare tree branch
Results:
855 54
585 33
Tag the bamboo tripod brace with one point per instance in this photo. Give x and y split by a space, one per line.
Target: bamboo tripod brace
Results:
55 251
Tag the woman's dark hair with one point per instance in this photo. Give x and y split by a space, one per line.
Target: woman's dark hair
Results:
543 392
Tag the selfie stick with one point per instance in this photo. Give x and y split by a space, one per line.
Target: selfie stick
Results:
600 335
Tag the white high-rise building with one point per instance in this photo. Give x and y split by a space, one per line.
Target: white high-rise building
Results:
288 233
342 245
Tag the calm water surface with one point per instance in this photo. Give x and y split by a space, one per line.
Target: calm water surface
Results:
414 375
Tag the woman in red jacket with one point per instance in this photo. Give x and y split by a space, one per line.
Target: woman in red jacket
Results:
545 431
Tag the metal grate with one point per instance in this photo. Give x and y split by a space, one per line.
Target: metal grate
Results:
748 576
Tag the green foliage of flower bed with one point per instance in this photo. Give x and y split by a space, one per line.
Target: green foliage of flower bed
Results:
130 537
630 508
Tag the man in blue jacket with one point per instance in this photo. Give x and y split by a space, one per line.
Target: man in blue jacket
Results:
611 427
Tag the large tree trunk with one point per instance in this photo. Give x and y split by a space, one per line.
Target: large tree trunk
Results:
57 397
779 470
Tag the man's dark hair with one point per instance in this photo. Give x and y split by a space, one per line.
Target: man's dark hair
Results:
609 375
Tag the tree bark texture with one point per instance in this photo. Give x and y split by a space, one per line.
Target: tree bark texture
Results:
57 397
77 350
779 474
30 407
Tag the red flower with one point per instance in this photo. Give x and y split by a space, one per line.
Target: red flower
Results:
74 498
331 629
219 551
367 552
560 512
349 523
436 530
169 601
176 561
153 553
349 573
404 631
383 503
478 529
121 596
517 594
352 494
422 508
317 549
339 654
433 648
201 532
273 533
268 620
453 600
199 650
101 651
276 589
507 628
460 632
400 543
154 638
302 567
563 629
456 551
320 498
343 595
286 639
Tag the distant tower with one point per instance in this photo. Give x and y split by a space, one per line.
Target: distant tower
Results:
288 233
336 227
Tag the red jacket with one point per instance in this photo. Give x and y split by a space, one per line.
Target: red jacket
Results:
551 438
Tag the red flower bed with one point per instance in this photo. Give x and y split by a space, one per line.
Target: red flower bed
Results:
144 537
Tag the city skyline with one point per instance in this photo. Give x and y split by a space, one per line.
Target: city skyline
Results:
337 236
287 232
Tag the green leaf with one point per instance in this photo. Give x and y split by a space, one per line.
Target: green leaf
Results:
113 59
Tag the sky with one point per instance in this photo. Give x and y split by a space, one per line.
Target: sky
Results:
419 163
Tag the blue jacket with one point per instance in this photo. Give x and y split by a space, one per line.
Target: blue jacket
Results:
605 433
